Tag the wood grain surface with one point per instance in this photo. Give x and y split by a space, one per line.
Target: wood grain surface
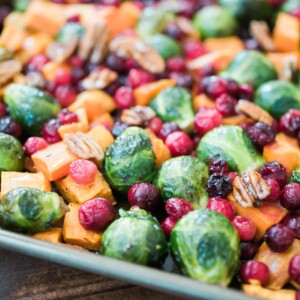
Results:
23 277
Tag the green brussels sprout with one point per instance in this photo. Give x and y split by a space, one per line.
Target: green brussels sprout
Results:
129 160
30 107
164 45
175 104
277 97
206 247
251 67
289 5
295 176
11 153
29 210
70 29
232 144
183 177
215 21
135 237
21 5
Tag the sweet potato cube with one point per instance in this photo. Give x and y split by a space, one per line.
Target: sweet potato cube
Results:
231 43
102 136
52 235
278 263
49 69
105 119
74 233
80 193
235 120
201 101
54 161
14 180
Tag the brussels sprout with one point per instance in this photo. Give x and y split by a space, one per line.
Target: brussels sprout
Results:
30 210
135 237
30 106
232 144
183 177
129 160
206 247
11 153
215 21
69 30
289 5
164 45
277 97
250 67
295 176
21 5
175 104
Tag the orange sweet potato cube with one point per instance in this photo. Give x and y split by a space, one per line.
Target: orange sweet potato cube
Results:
51 235
201 101
102 136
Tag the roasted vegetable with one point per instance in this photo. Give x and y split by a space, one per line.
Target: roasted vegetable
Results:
289 5
69 30
30 210
232 144
206 247
295 176
251 67
184 177
174 104
11 153
21 5
31 107
129 160
135 237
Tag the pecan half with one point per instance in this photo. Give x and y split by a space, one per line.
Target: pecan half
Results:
249 189
137 116
35 79
288 71
254 111
261 33
186 26
8 69
99 79
141 52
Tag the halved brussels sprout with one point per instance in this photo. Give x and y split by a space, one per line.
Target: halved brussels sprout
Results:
70 29
183 177
30 210
129 160
206 247
232 144
295 176
135 237
175 104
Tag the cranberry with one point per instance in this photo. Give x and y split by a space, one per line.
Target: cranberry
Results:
65 94
214 86
131 64
76 62
166 129
66 117
231 176
290 196
34 144
290 122
111 2
274 190
245 228
167 225
293 222
177 207
298 292
116 63
3 110
193 49
50 133
276 3
206 71
96 214
255 270
279 237
124 97
246 125
37 62
246 91
188 9
9 126
218 166
225 105
296 12
138 77
248 250
274 170
294 268
221 206
207 119
156 124
77 75
175 64
182 79
218 185
173 31
118 128
83 171
261 134
179 143
144 195
232 87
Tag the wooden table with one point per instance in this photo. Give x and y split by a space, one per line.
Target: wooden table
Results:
22 277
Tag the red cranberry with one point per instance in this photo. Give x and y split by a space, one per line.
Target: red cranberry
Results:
276 3
177 207
66 117
124 97
293 222
218 166
232 87
246 125
175 64
296 12
279 237
156 124
96 214
173 31
290 196
207 119
10 126
298 292
139 77
166 129
188 9
167 226
208 70
261 134
225 105
76 62
214 86
294 268
231 175
182 79
245 228
193 49
274 190
34 144
77 75
248 250
218 185
65 94
111 2
274 170
255 270
246 91
74 19
37 62
3 110
179 143
118 128
144 195
83 171
50 133
221 206
116 63
290 122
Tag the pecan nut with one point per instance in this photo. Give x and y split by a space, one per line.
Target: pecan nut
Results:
289 68
261 33
186 26
99 79
137 116
8 69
